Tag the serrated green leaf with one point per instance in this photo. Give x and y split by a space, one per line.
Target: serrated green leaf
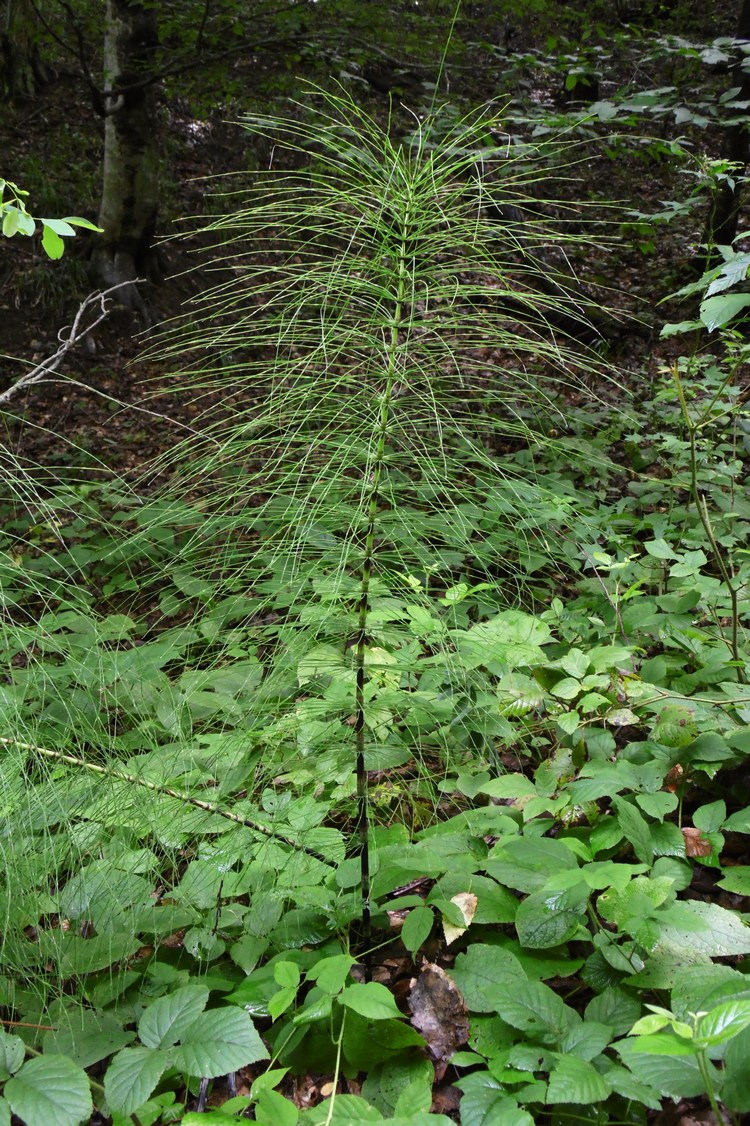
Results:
636 830
736 880
371 1000
574 1080
484 975
722 1023
165 1020
50 1089
703 930
541 922
219 1041
717 311
12 1053
132 1076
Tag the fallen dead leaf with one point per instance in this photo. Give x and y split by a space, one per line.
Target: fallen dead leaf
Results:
439 1013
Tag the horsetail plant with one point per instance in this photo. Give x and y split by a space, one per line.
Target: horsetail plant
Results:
384 333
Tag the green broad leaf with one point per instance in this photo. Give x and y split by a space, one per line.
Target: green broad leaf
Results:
59 226
525 863
484 975
735 1092
657 805
417 927
508 786
659 549
723 1023
511 639
635 829
371 1000
86 224
12 1053
575 1080
50 1089
541 922
282 1001
676 329
485 1102
568 722
624 1083
219 1041
51 242
537 1010
736 880
739 822
165 1020
272 1109
87 1037
566 689
344 1110
331 974
703 929
4 1112
586 1040
614 1008
400 1086
718 311
710 818
132 1076
11 221
286 974
675 1077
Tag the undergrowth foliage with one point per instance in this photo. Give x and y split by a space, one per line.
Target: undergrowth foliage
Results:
397 670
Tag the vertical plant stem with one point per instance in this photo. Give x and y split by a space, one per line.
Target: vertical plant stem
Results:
376 469
705 519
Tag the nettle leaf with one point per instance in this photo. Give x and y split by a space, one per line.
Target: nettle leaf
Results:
703 929
50 1089
614 1008
574 1080
511 639
526 864
132 1076
165 1020
673 1076
717 311
544 919
371 1000
484 975
219 1041
723 1023
12 1052
736 880
485 1101
636 830
538 1011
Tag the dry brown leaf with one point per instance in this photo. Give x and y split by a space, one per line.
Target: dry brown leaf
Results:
695 843
439 1013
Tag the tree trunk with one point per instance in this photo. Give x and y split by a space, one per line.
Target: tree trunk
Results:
21 70
721 226
130 190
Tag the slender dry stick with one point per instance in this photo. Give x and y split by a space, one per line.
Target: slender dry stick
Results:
133 779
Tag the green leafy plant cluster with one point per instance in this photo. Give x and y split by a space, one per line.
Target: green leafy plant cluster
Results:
411 662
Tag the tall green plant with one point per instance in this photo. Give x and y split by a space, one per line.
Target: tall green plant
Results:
384 331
